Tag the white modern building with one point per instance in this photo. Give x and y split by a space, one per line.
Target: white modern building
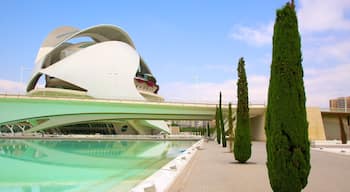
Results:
100 62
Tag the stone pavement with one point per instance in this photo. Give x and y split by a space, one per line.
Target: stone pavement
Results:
213 169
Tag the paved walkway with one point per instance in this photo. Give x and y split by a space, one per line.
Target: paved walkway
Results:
214 169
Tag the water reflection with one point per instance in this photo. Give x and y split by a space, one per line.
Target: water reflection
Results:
46 165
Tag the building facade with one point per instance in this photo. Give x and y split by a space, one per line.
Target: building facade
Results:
100 62
340 103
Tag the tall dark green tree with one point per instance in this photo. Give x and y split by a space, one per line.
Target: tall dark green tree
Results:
217 124
208 130
230 127
222 126
286 127
242 144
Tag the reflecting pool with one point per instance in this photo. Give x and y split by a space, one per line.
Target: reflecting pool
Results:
84 165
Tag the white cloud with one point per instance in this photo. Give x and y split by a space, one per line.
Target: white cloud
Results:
198 92
258 87
220 67
11 87
320 86
313 16
209 92
323 15
256 36
328 54
326 49
324 84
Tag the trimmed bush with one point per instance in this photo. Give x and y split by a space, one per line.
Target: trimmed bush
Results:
230 127
222 126
217 124
242 143
208 130
286 127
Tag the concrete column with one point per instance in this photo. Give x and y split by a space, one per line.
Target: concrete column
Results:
316 125
348 120
22 127
11 129
342 131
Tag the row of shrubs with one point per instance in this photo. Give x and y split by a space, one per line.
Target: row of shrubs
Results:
286 127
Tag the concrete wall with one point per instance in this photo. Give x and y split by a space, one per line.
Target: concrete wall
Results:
174 130
332 127
314 118
257 128
316 127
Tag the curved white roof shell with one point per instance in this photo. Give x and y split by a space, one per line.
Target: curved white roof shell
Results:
58 37
105 69
98 33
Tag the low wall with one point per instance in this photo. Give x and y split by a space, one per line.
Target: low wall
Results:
314 118
316 126
332 127
257 128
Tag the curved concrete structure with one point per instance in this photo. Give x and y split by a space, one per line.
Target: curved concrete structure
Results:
50 59
108 70
100 62
43 113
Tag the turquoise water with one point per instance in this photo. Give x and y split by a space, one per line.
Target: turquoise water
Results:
61 165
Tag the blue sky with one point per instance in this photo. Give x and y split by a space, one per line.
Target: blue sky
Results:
192 47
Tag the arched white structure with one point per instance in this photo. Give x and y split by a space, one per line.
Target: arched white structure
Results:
107 66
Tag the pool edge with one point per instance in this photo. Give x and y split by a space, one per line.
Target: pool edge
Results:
163 179
105 137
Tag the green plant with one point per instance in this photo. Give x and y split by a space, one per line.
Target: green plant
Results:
208 130
286 127
230 126
242 145
222 126
174 124
187 129
217 124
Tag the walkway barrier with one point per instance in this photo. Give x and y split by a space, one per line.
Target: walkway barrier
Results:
100 137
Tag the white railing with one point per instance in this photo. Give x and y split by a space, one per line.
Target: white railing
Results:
126 100
98 136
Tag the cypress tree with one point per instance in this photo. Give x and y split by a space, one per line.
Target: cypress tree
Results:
286 127
230 126
217 124
208 130
222 126
242 144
